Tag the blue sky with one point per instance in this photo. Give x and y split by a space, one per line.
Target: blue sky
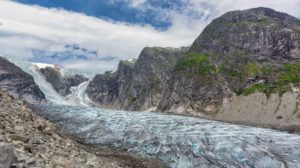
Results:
94 35
117 10
129 11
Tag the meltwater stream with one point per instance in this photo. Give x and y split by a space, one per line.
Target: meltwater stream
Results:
178 141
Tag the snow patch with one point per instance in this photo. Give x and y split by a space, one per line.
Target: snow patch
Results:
44 65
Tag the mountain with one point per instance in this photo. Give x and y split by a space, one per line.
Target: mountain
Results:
18 83
237 55
240 52
244 68
136 85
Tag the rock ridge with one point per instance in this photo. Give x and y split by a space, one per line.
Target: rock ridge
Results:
137 85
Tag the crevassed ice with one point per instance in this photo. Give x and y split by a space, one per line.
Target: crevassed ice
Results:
178 141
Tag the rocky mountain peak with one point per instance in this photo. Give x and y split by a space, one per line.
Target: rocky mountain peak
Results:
260 33
240 52
259 13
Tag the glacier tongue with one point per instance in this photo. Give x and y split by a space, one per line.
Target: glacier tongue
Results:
179 141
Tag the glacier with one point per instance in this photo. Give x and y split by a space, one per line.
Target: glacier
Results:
178 141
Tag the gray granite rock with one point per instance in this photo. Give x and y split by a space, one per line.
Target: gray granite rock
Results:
7 155
136 85
18 83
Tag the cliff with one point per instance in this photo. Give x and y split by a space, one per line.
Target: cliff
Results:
136 85
239 53
243 68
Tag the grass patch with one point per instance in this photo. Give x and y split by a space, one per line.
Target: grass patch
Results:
263 87
252 69
196 60
290 74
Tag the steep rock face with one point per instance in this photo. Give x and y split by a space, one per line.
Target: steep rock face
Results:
61 84
138 85
238 53
18 83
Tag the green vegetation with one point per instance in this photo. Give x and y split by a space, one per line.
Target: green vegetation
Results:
231 72
196 60
239 24
281 76
262 21
240 72
288 74
263 87
252 69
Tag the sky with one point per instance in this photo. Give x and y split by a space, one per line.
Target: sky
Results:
94 35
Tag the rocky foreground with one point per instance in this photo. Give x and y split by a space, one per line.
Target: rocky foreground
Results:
27 140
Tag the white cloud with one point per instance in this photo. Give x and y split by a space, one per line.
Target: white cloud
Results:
25 27
137 3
